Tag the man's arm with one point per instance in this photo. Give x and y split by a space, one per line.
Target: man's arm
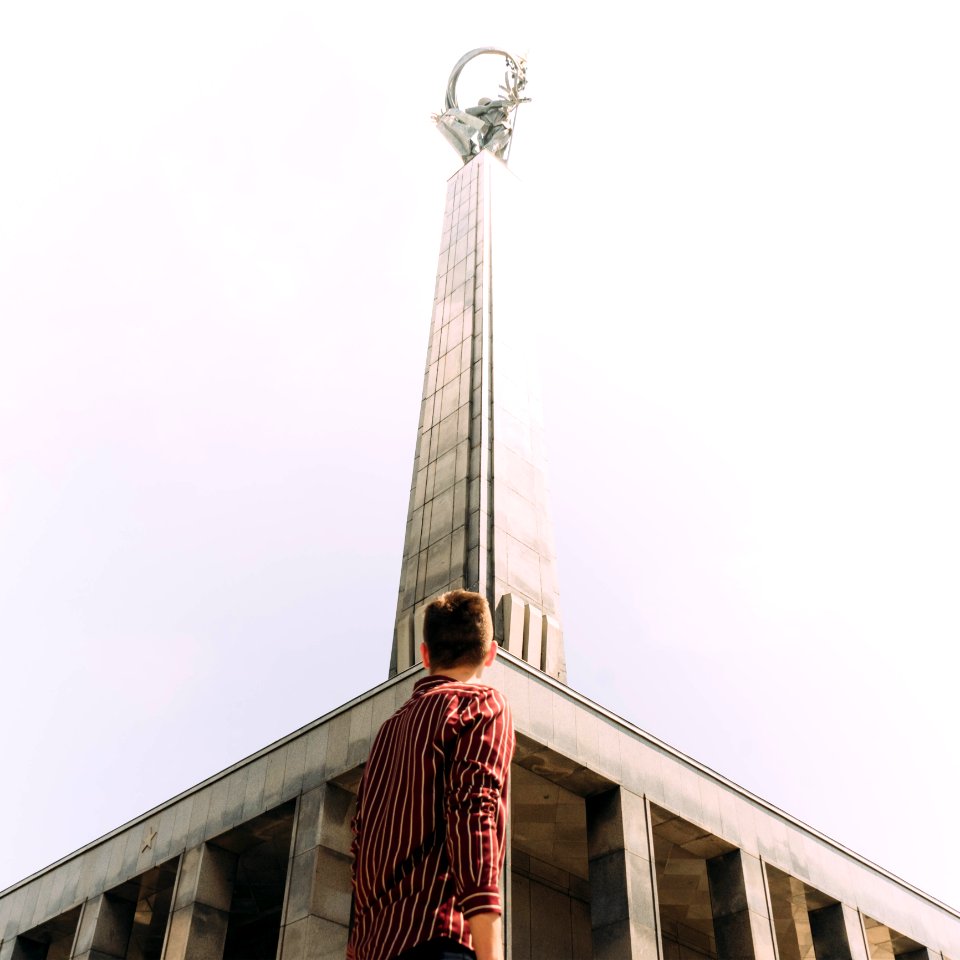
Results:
475 812
487 931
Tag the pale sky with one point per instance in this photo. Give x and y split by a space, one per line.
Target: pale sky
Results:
218 233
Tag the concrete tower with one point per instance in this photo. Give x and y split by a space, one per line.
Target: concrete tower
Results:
478 515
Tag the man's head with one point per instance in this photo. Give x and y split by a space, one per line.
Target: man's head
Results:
458 631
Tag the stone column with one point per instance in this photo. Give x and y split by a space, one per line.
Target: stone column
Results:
838 933
624 915
104 929
477 514
201 904
741 907
316 917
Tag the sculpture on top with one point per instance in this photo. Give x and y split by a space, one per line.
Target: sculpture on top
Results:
488 125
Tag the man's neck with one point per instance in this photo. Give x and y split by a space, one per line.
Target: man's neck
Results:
460 674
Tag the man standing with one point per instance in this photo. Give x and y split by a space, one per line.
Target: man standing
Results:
429 834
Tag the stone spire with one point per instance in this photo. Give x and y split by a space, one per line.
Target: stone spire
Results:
478 514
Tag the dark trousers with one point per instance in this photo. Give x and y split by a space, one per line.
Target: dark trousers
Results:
442 949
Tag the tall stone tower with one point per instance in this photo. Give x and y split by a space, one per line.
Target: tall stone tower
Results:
478 516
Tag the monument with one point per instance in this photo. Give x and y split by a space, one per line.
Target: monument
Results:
620 846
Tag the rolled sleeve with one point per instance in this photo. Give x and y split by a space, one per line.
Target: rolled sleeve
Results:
475 790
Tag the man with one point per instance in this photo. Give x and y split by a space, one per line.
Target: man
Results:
429 832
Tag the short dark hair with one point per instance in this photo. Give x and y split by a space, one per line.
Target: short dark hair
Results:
458 629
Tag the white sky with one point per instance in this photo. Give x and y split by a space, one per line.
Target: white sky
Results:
218 232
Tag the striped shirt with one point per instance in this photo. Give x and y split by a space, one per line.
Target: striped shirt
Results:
428 842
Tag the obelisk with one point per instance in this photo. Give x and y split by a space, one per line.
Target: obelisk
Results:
478 516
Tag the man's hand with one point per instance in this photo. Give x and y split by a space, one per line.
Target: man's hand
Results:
487 933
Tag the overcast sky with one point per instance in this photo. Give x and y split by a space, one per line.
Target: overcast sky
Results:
218 235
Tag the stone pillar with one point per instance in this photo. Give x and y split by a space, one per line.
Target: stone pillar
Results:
104 929
741 907
477 514
838 933
624 915
316 917
201 904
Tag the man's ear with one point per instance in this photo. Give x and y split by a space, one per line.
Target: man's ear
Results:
425 655
491 653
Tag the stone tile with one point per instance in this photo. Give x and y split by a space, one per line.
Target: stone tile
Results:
608 749
71 879
609 901
55 901
438 565
325 748
516 688
361 732
300 889
93 871
689 792
642 767
293 941
446 467
710 806
40 907
580 925
773 842
541 713
565 727
605 828
523 568
219 800
181 822
640 885
199 810
550 928
133 837
382 707
338 746
236 795
588 738
295 754
28 907
729 821
331 889
458 552
273 779
167 843
325 940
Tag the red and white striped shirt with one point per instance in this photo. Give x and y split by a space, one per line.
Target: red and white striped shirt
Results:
429 832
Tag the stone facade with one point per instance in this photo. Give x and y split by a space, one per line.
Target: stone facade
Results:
620 847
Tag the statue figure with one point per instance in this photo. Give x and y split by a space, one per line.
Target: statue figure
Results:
488 125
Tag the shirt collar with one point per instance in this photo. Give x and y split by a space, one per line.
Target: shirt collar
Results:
425 683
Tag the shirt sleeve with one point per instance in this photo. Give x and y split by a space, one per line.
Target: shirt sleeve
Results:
475 785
